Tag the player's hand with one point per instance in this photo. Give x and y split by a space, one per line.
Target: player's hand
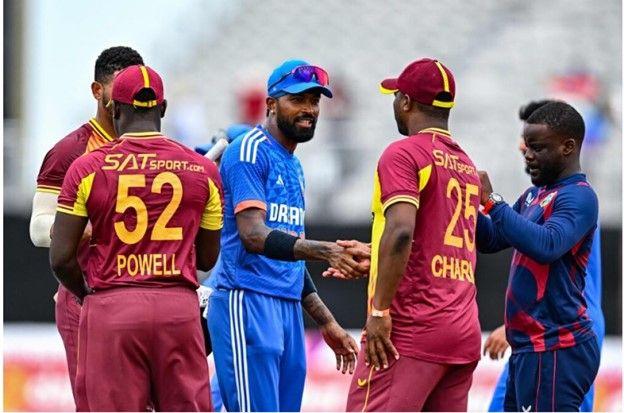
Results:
486 186
496 344
86 235
340 259
378 344
361 254
343 345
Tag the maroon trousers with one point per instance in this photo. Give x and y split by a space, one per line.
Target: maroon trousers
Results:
410 384
141 347
67 317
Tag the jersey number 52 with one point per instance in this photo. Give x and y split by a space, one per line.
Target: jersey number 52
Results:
160 232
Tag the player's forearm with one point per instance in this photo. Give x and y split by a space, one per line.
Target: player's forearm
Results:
69 274
543 243
394 251
317 310
314 250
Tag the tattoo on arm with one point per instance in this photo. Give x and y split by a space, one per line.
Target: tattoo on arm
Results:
317 310
311 250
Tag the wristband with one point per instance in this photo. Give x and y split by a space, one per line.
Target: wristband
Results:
379 313
308 285
280 246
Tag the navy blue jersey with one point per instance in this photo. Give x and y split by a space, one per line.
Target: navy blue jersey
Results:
551 229
258 172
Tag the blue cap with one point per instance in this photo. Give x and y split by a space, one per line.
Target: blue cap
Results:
231 133
290 84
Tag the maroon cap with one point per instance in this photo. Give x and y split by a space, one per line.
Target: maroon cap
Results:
130 81
427 81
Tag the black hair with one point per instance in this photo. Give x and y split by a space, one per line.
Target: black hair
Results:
433 111
113 59
561 118
526 110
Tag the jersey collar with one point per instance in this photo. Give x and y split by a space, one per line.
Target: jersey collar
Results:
142 135
100 130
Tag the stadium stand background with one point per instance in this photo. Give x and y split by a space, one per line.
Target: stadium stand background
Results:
215 56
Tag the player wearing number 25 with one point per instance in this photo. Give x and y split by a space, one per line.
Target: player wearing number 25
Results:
156 211
422 337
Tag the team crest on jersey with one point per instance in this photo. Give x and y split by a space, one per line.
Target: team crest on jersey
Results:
529 199
547 200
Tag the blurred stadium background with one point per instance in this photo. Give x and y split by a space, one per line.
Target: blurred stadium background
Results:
215 57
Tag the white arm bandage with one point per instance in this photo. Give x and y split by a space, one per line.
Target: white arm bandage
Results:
42 218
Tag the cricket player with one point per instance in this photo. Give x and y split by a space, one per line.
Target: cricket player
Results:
255 316
90 136
422 337
496 343
343 345
555 354
156 211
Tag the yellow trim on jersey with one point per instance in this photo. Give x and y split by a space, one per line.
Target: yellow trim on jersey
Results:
423 177
49 189
142 135
100 130
387 91
370 375
212 218
146 80
400 198
379 223
82 195
436 130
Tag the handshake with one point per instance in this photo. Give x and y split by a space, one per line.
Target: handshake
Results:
348 260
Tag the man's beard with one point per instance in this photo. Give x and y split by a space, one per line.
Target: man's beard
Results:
292 131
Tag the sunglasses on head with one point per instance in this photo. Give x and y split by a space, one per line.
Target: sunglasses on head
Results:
306 74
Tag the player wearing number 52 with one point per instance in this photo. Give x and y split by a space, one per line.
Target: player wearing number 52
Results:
422 338
156 212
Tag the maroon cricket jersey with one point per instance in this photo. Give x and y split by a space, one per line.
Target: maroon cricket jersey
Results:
146 197
56 162
434 311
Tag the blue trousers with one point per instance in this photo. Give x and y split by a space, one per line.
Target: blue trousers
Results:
552 380
259 350
498 397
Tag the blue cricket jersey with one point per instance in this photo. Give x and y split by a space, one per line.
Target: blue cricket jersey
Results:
257 171
551 229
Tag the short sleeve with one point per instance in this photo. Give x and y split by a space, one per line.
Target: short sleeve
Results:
212 217
245 172
401 176
55 164
76 189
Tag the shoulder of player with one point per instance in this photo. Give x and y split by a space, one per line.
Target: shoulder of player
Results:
577 192
74 143
406 147
248 147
